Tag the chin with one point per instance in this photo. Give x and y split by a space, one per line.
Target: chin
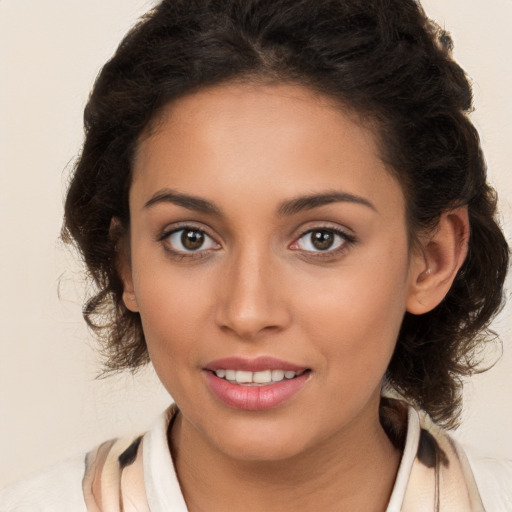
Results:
254 449
264 439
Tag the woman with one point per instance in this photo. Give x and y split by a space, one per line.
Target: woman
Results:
284 206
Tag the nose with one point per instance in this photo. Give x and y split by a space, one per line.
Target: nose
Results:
252 299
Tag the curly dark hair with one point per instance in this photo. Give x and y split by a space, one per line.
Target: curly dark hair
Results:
382 58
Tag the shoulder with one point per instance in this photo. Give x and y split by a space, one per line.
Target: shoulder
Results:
82 482
57 488
112 476
438 470
487 478
494 481
134 473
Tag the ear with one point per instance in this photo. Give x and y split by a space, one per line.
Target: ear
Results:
121 238
436 262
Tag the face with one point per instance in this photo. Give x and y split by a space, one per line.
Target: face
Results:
270 267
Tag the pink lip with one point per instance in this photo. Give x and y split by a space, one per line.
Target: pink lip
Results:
253 365
254 398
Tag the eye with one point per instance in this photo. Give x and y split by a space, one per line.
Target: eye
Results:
189 240
322 240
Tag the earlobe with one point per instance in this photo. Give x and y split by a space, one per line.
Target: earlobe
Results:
435 264
120 236
129 295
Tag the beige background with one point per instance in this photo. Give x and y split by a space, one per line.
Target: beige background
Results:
50 52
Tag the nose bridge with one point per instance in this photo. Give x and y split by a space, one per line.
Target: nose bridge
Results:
250 299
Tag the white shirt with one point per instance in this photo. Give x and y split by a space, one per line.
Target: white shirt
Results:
149 482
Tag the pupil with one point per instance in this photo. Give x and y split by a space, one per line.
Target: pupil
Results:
192 239
322 240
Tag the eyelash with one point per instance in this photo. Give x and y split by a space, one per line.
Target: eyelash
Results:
179 254
348 241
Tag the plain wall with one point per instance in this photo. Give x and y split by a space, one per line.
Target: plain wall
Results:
50 403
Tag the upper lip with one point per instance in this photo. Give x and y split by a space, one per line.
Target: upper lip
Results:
257 364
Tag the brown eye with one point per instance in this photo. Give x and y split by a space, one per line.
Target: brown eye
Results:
322 240
187 240
192 240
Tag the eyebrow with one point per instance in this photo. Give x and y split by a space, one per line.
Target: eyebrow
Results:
186 201
285 209
309 202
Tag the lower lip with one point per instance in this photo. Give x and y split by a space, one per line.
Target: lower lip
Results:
255 398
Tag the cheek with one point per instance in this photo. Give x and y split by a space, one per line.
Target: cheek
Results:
355 321
174 314
171 328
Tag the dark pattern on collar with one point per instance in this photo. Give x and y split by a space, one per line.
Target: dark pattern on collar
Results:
429 451
128 456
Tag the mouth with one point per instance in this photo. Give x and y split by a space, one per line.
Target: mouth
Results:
259 378
255 384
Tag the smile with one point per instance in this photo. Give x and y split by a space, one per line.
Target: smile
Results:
255 384
259 378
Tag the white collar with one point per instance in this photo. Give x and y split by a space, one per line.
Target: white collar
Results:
161 481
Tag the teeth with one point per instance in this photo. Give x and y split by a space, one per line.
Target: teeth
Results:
262 377
243 377
277 375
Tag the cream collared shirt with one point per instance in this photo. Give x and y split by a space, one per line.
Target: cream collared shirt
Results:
137 475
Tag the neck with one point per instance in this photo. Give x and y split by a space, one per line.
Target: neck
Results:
353 470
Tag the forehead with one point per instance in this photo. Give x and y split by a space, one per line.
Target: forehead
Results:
250 136
246 107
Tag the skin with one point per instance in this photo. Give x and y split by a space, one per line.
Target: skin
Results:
258 287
